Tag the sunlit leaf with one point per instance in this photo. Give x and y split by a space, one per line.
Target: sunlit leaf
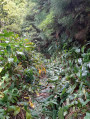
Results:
20 53
87 116
1 68
26 97
31 104
10 60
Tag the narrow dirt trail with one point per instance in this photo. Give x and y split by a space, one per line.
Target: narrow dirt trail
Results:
42 95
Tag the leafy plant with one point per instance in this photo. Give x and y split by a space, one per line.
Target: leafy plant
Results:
16 55
68 74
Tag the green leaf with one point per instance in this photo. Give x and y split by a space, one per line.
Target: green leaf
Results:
6 34
82 49
2 39
3 44
1 116
8 48
28 115
60 113
64 91
11 108
84 103
2 110
1 34
87 116
54 114
17 110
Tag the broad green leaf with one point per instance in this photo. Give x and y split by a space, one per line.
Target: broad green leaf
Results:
16 111
82 49
87 116
1 110
6 34
8 48
3 44
2 39
54 114
28 115
1 34
63 91
11 108
84 103
60 113
2 116
1 58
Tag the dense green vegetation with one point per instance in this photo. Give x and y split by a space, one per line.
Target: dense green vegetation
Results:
44 59
18 62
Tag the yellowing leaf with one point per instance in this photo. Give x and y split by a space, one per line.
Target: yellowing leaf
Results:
26 39
84 91
30 43
37 93
31 104
16 36
40 71
40 83
43 69
26 97
20 63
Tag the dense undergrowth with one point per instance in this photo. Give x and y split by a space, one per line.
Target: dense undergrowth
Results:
52 85
69 77
21 69
19 65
